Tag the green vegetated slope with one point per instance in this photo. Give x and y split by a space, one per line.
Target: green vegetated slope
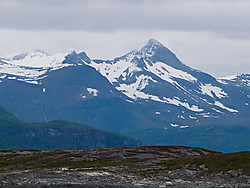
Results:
144 160
54 135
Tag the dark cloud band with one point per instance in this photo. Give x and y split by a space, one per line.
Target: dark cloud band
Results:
108 15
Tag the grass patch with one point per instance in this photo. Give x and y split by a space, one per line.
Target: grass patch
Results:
127 160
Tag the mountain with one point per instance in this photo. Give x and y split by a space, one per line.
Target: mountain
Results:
76 92
55 135
146 89
238 80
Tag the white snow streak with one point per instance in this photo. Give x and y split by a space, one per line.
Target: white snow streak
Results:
191 117
166 72
177 102
217 103
174 125
184 126
218 111
3 76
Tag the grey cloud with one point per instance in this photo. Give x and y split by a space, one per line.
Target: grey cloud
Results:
216 16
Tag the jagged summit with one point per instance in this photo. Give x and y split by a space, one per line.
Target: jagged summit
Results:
151 45
235 76
153 42
238 79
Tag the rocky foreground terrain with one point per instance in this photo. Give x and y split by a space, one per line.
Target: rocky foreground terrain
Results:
158 166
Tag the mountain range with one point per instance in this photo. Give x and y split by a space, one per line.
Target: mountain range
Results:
148 94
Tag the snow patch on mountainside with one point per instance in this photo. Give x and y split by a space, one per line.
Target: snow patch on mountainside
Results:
133 90
92 91
166 72
177 102
124 67
210 90
12 78
191 117
184 126
219 104
174 125
218 111
30 81
2 76
17 70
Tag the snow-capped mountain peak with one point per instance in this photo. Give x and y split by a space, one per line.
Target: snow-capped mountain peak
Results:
139 72
38 52
32 53
149 49
36 58
135 72
153 42
32 66
152 77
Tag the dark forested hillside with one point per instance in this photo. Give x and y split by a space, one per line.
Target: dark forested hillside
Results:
54 135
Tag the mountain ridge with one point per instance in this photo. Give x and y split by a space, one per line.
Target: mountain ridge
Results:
144 89
135 72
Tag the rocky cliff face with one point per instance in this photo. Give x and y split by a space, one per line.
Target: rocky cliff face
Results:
172 166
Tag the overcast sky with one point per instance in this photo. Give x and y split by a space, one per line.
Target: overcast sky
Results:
209 35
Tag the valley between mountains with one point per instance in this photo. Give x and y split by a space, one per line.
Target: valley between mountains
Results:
147 94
